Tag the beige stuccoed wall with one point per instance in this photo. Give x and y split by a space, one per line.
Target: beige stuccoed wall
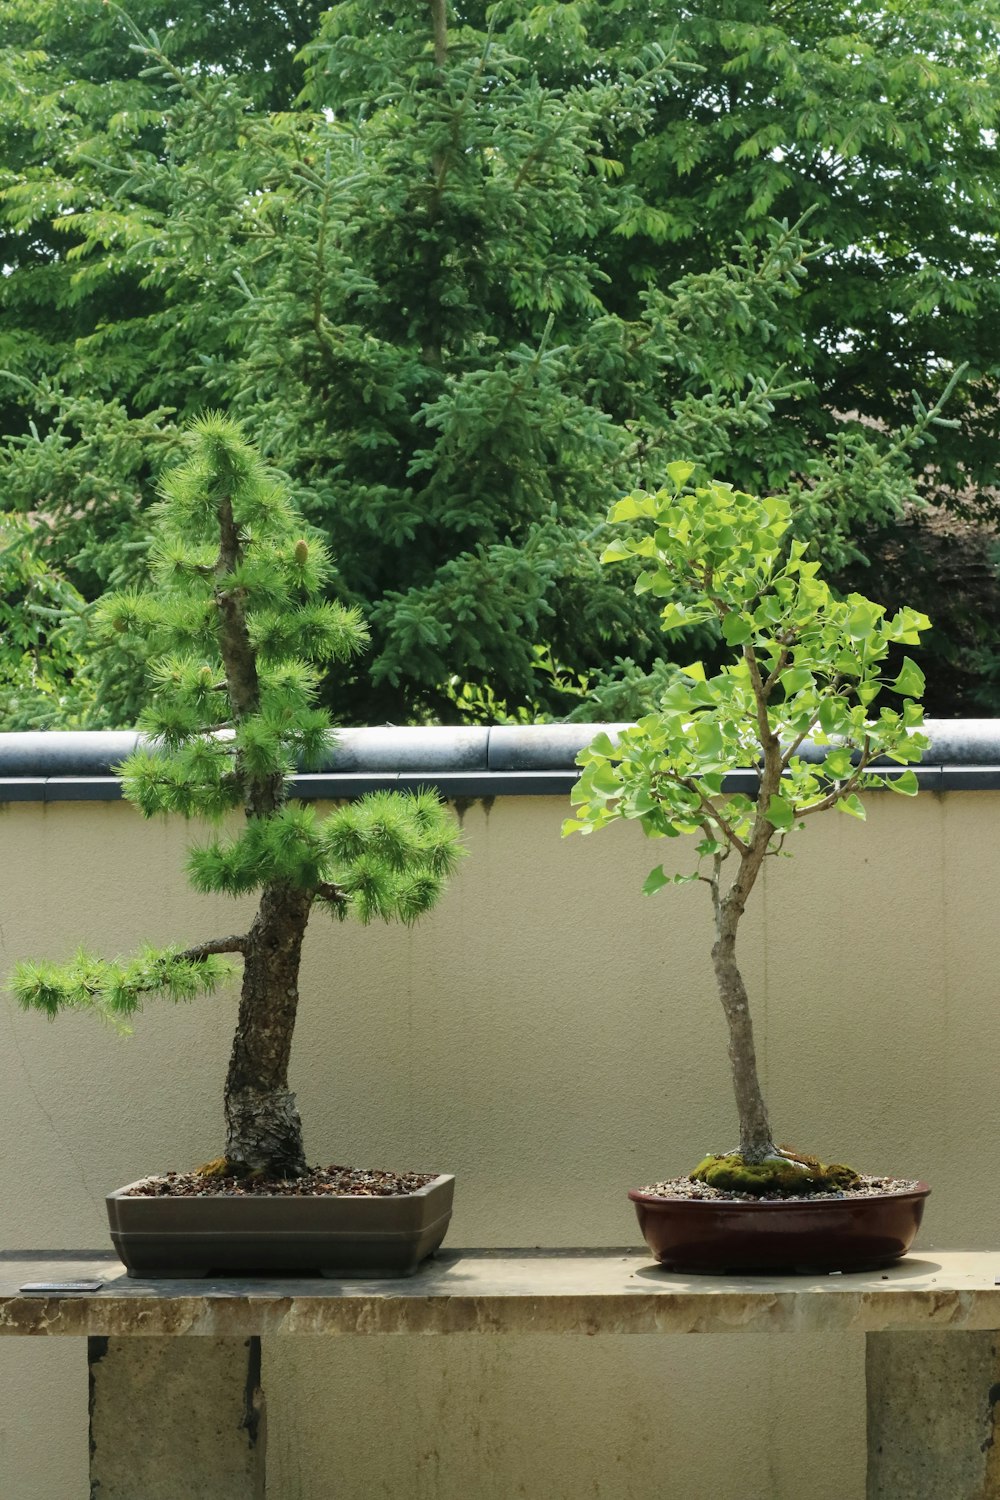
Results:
551 1036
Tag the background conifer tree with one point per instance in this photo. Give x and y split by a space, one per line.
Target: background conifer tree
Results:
237 631
43 676
468 268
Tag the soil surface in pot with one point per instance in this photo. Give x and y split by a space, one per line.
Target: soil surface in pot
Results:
868 1187
341 1182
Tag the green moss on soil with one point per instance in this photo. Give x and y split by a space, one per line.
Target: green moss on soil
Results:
788 1175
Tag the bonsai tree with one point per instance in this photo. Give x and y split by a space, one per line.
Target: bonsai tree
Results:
795 706
237 631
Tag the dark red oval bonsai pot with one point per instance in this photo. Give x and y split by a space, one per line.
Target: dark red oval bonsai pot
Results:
821 1234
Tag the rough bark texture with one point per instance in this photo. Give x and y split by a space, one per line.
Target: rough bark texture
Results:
263 1129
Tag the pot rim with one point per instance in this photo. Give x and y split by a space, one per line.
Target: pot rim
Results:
759 1205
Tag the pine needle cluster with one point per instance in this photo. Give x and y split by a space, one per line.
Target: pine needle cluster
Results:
116 989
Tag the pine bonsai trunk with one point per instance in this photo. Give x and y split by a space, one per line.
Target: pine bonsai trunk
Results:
755 1131
263 1129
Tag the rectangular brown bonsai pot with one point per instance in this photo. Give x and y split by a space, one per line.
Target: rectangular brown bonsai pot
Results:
322 1234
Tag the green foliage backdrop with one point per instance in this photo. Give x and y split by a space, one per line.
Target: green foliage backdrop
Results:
472 273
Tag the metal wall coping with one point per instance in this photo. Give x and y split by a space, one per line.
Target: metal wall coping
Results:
497 761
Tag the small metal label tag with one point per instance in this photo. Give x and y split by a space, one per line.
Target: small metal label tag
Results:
62 1286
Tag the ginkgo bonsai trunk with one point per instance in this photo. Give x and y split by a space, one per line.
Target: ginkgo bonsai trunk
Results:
756 1143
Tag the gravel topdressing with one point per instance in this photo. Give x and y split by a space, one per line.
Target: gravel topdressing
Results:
343 1182
683 1187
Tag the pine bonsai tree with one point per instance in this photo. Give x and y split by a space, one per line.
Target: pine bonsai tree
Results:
237 631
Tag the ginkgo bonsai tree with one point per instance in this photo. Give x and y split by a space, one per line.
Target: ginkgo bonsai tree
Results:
237 631
796 705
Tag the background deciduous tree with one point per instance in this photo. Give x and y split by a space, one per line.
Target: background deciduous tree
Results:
473 271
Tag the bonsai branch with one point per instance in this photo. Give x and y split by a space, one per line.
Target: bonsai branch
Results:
786 758
842 788
713 816
713 880
784 657
761 692
334 894
801 738
234 944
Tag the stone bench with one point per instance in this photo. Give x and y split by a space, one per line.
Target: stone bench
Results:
190 1351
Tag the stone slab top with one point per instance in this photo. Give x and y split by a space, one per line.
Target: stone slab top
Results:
505 1291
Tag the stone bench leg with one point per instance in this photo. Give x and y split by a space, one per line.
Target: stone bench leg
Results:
176 1416
932 1414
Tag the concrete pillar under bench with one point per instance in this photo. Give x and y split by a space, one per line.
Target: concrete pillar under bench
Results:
176 1406
171 1417
932 1416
